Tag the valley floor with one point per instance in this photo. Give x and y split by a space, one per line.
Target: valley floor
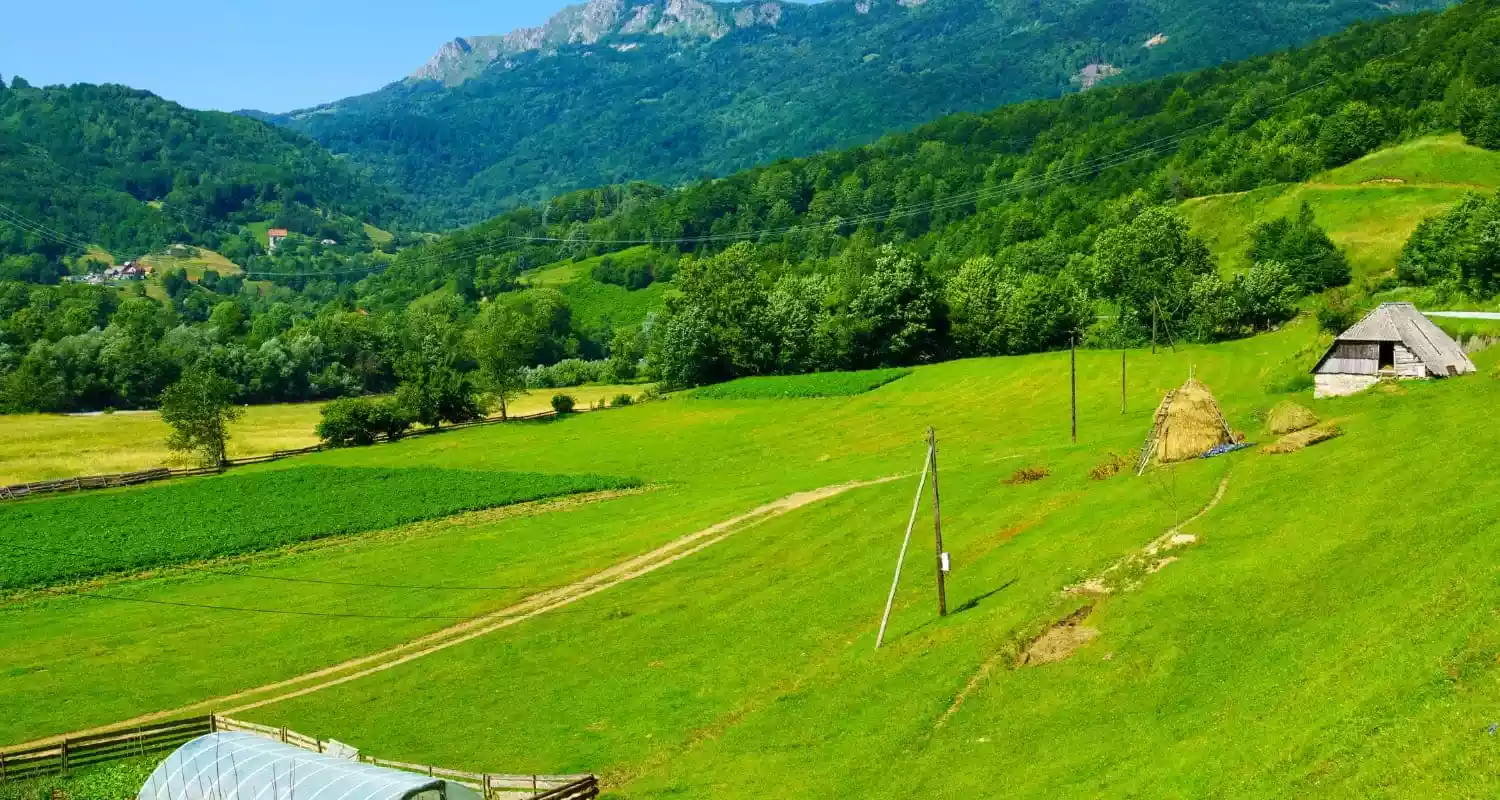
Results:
1330 630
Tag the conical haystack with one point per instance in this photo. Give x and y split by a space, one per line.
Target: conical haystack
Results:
1188 424
1289 417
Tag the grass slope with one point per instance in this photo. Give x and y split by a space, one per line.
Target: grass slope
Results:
822 384
191 520
597 305
1331 633
45 446
1369 207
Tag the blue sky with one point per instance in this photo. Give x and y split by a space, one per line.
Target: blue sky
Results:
273 55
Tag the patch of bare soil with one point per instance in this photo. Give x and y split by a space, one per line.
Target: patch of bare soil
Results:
1061 640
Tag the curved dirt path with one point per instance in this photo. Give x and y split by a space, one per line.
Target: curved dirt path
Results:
468 630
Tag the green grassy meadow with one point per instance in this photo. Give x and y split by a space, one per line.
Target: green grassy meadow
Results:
1369 207
822 384
597 305
1300 647
46 446
184 520
1329 630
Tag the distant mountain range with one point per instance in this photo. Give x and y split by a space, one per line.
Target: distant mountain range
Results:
673 90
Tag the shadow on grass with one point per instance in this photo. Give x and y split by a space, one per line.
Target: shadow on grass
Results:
972 604
967 606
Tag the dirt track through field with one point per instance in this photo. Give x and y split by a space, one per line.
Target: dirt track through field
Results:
533 606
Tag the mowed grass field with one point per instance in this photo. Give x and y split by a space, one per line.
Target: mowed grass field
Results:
1331 632
40 447
1369 207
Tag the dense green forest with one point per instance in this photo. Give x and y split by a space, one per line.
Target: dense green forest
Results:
130 172
1006 232
669 109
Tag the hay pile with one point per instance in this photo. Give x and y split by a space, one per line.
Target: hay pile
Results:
1289 417
1110 467
1027 475
1307 437
1191 425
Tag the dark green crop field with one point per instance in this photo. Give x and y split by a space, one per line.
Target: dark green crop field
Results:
86 535
820 384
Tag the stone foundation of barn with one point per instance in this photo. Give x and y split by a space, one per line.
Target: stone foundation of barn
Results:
1340 384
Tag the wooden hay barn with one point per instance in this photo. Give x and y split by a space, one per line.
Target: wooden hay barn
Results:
1393 341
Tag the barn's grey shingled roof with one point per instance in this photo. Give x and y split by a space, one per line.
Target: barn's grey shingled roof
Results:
1402 322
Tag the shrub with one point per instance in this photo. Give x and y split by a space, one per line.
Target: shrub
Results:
622 400
568 373
1112 465
650 393
1337 313
359 421
1028 475
562 403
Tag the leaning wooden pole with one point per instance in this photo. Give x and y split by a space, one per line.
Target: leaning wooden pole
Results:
900 559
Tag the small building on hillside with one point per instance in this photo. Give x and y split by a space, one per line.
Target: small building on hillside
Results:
274 237
1393 341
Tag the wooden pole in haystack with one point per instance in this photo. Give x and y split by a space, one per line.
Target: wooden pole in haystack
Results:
911 523
937 524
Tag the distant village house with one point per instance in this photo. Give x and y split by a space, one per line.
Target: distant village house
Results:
274 237
1393 341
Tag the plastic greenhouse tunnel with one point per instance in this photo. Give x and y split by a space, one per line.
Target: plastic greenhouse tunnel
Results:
234 766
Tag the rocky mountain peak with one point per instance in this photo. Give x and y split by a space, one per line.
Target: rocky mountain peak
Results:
589 23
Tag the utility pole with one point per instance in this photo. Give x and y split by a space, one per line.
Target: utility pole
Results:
1073 381
937 524
1122 382
1153 326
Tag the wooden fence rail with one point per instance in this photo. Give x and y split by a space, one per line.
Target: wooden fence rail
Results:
80 751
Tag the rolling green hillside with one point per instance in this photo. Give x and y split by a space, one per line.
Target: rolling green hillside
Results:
598 305
130 172
1369 207
1285 646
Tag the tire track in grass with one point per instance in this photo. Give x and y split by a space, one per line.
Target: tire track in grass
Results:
533 606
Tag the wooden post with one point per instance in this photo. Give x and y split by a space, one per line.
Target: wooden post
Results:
64 769
1073 381
1153 326
911 523
1122 382
937 522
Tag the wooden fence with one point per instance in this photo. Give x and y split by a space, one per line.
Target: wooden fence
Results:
23 490
70 753
81 751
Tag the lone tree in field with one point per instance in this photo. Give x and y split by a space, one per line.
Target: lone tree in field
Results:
504 340
199 410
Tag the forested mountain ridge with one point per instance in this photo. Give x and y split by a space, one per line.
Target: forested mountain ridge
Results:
130 172
1000 233
670 91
